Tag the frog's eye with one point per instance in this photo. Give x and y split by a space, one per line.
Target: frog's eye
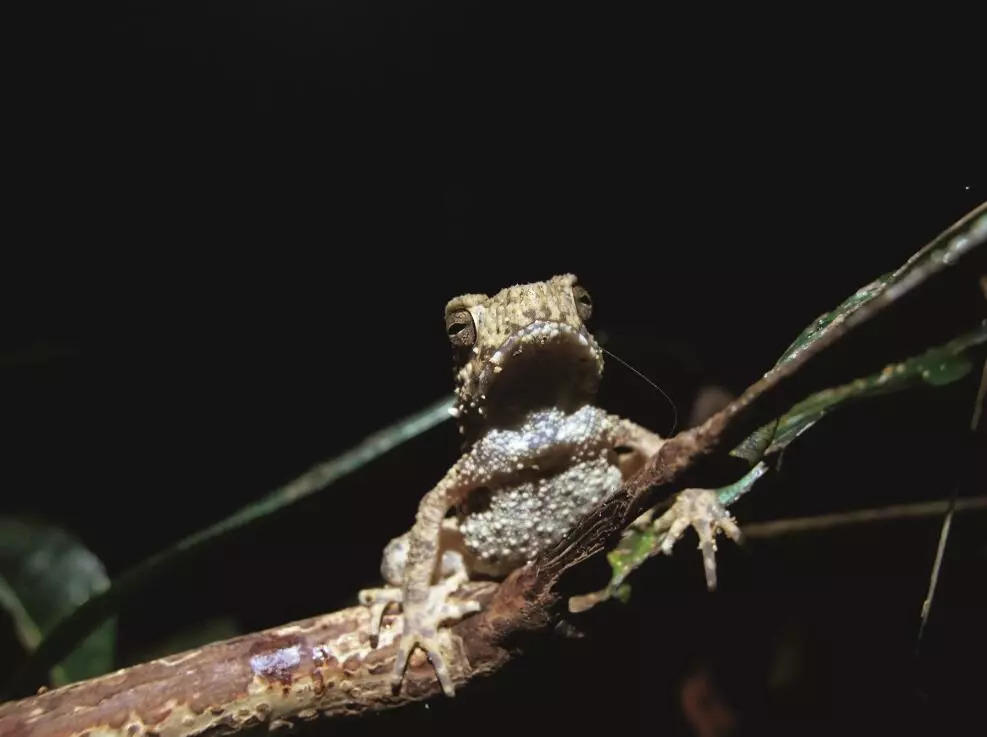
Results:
584 303
461 328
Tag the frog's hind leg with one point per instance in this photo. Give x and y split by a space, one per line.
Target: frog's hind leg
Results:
452 574
441 607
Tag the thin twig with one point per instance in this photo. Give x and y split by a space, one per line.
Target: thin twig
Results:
947 521
794 525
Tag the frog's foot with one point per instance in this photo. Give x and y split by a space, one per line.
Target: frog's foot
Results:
378 600
454 574
428 640
701 510
421 629
421 626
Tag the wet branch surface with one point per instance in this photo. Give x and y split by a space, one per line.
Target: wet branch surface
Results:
325 666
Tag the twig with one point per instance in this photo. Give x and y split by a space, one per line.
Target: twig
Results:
793 525
947 521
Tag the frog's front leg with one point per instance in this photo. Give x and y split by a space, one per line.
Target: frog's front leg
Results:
634 445
700 509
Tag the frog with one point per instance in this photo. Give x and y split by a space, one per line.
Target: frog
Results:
538 456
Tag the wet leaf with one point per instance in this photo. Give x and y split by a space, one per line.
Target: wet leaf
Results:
46 574
938 366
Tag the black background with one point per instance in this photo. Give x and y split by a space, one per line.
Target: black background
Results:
233 229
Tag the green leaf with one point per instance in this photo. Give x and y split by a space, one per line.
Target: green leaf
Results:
128 585
730 493
636 545
938 366
45 575
754 447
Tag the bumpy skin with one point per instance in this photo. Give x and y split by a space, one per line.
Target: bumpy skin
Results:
539 456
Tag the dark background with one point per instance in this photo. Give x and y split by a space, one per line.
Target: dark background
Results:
233 230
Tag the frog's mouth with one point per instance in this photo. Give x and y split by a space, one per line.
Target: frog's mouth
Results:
545 363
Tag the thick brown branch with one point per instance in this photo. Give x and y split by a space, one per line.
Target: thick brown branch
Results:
325 665
319 666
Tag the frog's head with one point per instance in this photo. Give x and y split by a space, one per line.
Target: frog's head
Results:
524 348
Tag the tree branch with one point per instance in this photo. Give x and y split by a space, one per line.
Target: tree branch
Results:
916 510
325 665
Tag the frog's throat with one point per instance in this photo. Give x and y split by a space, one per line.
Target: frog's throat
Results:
549 339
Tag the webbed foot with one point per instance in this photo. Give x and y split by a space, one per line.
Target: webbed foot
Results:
701 510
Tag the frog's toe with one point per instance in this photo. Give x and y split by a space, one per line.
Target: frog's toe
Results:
459 608
441 605
429 642
703 511
378 600
423 628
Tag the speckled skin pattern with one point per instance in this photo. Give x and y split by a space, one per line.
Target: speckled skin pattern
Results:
539 454
530 514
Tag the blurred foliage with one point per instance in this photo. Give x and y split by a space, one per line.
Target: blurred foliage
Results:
45 574
88 612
